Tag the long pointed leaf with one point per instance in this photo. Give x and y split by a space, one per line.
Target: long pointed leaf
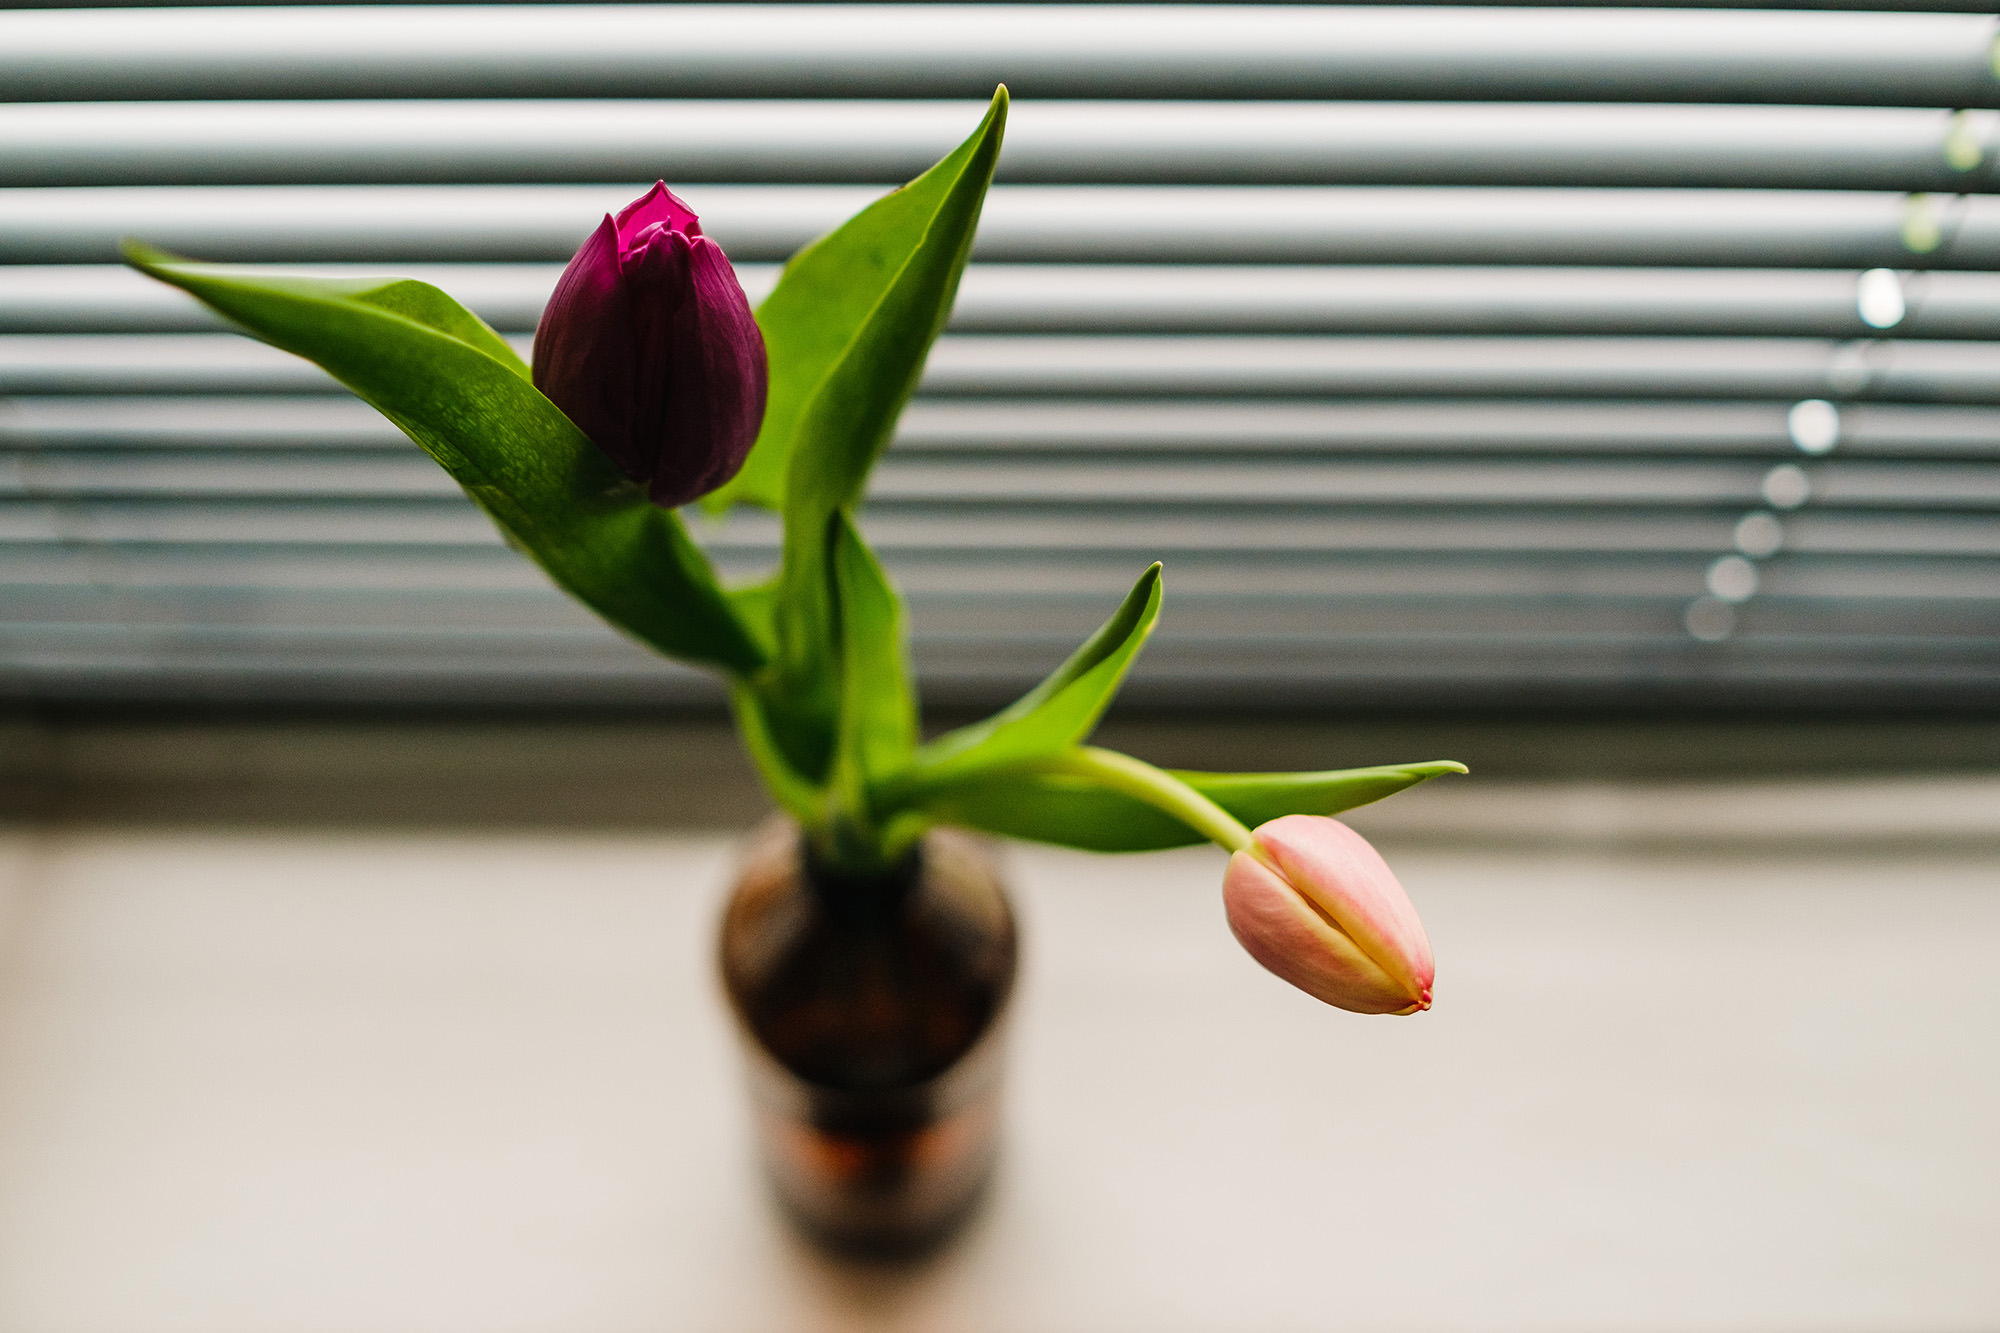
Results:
832 294
1056 714
878 709
1075 812
455 388
800 798
848 330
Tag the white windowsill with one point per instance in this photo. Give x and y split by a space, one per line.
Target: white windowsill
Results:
291 1082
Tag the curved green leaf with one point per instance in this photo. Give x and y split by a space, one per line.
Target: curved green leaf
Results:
878 709
1075 812
756 606
456 388
847 330
426 305
865 301
1057 713
800 798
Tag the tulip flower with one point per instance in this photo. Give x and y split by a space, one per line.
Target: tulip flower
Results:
648 345
1318 906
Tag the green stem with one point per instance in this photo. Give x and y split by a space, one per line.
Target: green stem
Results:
1157 788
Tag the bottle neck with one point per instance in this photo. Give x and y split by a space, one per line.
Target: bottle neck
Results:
860 898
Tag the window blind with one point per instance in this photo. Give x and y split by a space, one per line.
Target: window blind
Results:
1559 355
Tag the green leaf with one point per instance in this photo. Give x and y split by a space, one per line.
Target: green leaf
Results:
1075 812
455 387
800 798
865 301
878 709
426 305
1058 713
756 606
1258 798
847 331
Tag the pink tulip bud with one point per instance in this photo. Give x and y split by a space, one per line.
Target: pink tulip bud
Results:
648 345
1315 904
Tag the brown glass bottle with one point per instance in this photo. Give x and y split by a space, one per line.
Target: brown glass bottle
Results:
871 1011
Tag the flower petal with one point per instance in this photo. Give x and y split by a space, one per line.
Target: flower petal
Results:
1282 931
660 205
1349 881
585 351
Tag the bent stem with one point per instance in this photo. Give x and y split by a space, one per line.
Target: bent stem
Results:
1156 787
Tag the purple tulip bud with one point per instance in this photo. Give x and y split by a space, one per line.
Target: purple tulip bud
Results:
648 345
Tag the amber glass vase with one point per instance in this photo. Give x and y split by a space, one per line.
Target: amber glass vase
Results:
871 1010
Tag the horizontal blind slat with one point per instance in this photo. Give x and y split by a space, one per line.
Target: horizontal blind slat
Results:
1271 224
1124 365
1924 59
1022 428
1172 297
1147 142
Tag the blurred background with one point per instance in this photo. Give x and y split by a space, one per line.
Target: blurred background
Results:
1607 397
